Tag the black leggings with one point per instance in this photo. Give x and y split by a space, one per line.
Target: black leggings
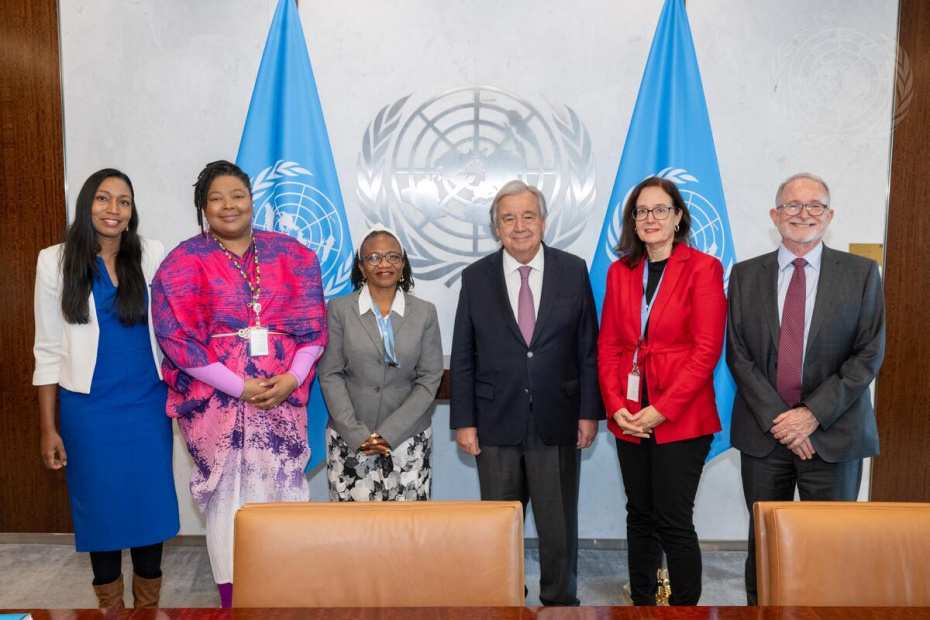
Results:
107 565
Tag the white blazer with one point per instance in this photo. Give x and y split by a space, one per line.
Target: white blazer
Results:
66 354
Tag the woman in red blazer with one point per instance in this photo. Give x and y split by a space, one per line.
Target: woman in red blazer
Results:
657 382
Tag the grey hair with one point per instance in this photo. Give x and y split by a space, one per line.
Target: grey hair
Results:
798 177
512 188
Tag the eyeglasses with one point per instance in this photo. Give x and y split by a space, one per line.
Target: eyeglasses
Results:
794 208
660 212
374 259
506 221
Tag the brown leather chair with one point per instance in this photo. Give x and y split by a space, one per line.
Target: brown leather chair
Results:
379 554
858 554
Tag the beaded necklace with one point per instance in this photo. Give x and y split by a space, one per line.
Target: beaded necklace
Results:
255 289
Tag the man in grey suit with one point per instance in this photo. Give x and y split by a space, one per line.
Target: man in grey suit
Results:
805 339
525 397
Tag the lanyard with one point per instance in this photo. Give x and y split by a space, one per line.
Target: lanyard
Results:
255 289
387 337
646 309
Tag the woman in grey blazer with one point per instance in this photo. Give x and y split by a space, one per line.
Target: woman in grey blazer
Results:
379 376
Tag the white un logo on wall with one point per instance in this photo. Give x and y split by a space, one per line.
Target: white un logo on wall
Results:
286 201
430 170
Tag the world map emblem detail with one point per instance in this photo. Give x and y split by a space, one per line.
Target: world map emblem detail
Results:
430 172
287 201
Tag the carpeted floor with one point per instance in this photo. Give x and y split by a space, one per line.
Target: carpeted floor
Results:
54 576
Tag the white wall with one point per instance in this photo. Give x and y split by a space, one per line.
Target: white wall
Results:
159 89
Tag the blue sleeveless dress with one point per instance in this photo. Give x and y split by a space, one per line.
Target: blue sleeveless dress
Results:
118 440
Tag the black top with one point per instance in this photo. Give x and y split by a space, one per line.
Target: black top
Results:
652 283
655 274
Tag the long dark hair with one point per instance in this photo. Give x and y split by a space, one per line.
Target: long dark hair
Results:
631 248
79 259
406 274
220 168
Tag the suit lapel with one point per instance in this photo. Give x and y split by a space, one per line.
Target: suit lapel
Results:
635 295
369 323
397 321
827 286
670 277
552 270
768 296
499 286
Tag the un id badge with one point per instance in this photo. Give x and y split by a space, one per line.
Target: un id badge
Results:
632 384
258 341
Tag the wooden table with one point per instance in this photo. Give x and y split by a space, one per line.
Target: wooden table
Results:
498 613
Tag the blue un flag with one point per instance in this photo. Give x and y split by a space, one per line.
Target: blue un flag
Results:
670 137
285 150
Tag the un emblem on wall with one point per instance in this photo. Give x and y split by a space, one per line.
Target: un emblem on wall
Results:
287 201
430 173
836 82
707 231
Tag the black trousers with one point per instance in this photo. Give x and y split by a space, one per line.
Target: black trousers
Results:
547 476
107 565
773 478
661 482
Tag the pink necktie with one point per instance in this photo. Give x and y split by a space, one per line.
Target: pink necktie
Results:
791 338
526 310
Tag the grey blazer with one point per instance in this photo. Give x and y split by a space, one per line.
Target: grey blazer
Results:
845 348
363 394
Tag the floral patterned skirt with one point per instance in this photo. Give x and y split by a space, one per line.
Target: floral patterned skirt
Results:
355 477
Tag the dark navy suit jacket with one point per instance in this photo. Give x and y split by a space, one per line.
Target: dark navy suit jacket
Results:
496 375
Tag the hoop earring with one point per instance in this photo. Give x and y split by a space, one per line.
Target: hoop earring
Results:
676 227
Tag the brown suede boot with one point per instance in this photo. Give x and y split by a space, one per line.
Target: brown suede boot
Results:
145 592
110 595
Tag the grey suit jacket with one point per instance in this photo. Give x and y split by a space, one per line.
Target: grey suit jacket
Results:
845 348
363 394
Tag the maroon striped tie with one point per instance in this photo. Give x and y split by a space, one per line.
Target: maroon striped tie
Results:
791 338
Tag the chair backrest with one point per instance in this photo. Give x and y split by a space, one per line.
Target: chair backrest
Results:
857 554
379 554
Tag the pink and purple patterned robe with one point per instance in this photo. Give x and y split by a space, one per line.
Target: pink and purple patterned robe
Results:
197 297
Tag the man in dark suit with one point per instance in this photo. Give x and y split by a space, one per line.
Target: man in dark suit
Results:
525 397
805 339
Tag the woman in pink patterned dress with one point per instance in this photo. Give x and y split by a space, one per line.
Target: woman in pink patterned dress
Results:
241 318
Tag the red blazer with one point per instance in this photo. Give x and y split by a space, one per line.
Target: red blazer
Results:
684 344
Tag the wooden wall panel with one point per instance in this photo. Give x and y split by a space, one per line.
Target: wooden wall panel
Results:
902 472
32 193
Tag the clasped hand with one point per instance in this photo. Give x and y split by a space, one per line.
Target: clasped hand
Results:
376 444
640 424
270 392
793 429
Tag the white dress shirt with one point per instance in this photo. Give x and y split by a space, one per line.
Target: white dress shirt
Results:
512 279
811 278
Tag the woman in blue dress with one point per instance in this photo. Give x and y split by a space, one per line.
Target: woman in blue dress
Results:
97 357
